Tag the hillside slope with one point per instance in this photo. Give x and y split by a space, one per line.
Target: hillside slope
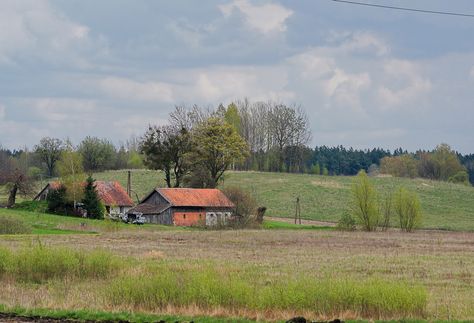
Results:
326 198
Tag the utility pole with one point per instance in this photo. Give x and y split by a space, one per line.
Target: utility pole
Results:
298 210
129 183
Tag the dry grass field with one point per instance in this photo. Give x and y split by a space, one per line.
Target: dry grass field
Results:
440 262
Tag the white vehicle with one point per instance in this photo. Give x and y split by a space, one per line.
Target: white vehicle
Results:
134 218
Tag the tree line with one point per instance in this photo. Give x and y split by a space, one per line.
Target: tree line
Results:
198 145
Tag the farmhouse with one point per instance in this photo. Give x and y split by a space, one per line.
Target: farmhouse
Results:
112 194
185 207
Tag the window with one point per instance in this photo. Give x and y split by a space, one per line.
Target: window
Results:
184 216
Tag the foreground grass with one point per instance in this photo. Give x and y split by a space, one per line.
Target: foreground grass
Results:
90 315
207 287
158 285
325 198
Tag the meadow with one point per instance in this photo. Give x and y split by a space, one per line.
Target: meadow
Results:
85 269
268 274
325 198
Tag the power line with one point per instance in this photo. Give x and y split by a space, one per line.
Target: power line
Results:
406 9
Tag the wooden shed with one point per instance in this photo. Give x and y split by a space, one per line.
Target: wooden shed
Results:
185 207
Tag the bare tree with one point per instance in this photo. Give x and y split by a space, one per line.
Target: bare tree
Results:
184 118
15 178
288 127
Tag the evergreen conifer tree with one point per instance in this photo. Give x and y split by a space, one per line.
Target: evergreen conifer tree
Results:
91 201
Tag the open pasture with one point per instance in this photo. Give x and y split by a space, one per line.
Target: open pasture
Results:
325 198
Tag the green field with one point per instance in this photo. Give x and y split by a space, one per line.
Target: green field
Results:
325 198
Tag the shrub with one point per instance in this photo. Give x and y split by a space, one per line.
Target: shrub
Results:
364 202
32 206
13 225
346 223
407 207
57 201
245 205
461 177
387 210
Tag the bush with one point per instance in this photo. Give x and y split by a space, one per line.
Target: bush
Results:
57 201
32 206
407 207
346 223
12 225
387 210
245 205
364 202
461 177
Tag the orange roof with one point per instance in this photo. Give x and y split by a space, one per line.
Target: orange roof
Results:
110 193
201 197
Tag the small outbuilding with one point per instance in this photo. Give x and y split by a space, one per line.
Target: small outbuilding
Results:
112 195
185 207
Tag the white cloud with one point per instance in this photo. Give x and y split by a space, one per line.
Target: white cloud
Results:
403 83
124 88
61 110
364 42
264 18
36 29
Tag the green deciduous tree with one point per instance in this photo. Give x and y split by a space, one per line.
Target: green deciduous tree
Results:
165 149
97 154
71 172
446 162
364 202
232 117
216 145
49 152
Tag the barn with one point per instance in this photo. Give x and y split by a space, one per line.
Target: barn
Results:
185 207
112 194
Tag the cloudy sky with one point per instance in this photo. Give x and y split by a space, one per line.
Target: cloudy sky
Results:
366 77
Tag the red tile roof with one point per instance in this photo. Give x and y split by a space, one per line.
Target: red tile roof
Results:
200 197
113 194
110 193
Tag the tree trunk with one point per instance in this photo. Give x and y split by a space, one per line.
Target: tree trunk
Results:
12 196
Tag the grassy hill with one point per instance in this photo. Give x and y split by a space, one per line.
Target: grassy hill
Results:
326 198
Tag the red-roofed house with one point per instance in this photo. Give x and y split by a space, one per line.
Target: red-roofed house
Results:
112 194
185 207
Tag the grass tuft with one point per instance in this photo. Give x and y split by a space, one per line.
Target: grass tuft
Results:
207 287
13 225
39 264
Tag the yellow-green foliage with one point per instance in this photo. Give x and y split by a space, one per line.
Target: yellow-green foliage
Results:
364 202
208 287
39 264
407 207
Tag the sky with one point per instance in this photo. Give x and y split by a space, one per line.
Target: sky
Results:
367 77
